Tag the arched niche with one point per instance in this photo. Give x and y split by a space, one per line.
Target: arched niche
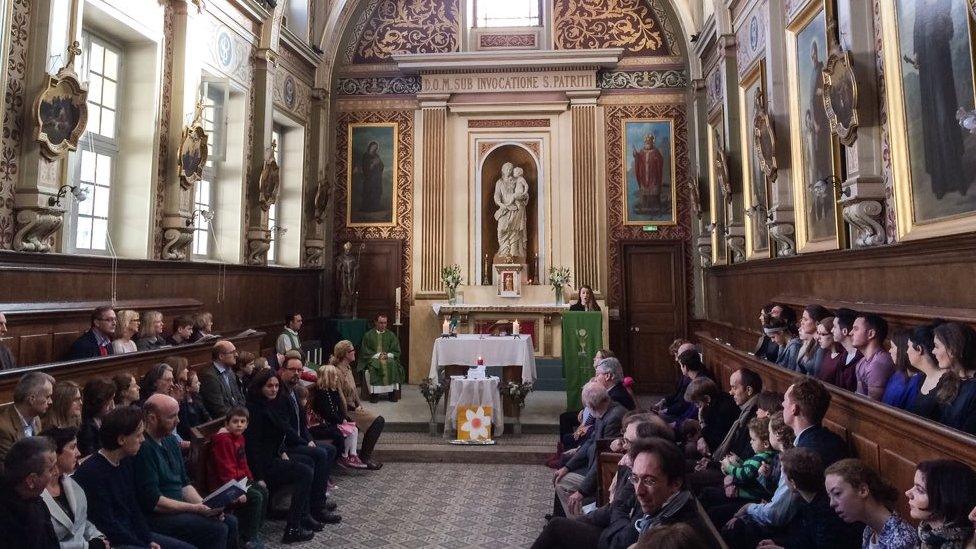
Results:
489 171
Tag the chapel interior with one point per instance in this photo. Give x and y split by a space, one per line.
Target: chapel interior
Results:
710 173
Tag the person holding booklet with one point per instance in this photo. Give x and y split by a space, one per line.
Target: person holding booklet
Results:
228 463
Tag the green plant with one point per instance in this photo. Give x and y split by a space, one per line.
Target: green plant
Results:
517 391
451 276
558 277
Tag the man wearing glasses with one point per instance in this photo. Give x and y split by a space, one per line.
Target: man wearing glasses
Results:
97 341
219 388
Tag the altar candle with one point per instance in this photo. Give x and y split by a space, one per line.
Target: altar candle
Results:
515 327
396 308
446 327
481 361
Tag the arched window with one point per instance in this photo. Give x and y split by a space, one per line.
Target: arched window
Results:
507 13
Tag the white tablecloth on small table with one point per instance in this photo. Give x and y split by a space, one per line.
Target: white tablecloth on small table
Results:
476 392
495 351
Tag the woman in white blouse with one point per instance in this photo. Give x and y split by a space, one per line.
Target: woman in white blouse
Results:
125 330
65 499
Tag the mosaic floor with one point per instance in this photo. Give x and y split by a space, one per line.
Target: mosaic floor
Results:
450 506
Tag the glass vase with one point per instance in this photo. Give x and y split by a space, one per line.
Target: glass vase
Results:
451 296
560 297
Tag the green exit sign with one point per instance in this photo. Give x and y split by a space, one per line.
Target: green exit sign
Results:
650 228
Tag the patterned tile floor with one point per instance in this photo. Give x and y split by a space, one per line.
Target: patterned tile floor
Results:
449 506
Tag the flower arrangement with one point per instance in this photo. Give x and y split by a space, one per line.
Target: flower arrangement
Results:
517 391
451 277
558 277
432 391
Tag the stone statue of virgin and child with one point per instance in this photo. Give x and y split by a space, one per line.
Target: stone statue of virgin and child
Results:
511 197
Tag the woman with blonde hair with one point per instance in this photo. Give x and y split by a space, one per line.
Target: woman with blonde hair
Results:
329 405
369 422
125 330
65 408
151 331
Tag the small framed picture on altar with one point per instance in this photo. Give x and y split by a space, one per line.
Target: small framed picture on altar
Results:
509 280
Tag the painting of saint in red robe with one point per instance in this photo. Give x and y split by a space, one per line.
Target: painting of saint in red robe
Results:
649 178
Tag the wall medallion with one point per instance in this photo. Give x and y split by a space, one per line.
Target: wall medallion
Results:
765 138
61 110
840 95
288 92
193 150
225 49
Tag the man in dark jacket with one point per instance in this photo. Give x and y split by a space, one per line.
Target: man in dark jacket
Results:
577 481
610 374
97 341
219 388
25 520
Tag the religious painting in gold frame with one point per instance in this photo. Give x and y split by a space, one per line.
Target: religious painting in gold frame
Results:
718 207
930 62
815 150
371 174
755 190
649 187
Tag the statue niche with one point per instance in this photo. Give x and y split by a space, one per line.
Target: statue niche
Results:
509 198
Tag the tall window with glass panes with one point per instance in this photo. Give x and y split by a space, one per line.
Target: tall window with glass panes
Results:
507 13
213 96
276 135
98 150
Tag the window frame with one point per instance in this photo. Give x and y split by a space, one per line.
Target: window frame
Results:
475 18
278 132
215 93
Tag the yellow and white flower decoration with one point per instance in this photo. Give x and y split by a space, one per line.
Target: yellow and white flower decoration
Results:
474 423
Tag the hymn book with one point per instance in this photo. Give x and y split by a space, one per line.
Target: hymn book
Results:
226 494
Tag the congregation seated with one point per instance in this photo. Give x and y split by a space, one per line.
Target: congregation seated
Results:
158 379
97 341
575 427
22 417
610 374
220 388
787 341
903 384
943 491
328 406
810 354
29 466
7 361
859 495
716 414
65 408
150 334
202 327
182 331
228 462
955 351
126 330
876 367
367 421
192 410
65 499
675 405
97 400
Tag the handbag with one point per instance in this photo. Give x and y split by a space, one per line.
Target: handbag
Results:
346 428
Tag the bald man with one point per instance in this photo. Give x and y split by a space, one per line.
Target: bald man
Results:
172 505
219 388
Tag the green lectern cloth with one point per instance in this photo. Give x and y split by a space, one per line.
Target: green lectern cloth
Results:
582 338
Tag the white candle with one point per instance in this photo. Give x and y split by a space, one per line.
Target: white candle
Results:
396 308
515 327
445 327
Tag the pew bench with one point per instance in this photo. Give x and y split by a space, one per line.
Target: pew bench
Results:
198 462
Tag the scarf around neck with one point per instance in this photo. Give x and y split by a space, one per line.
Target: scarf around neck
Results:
947 536
671 507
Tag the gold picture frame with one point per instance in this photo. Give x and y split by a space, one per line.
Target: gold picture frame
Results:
193 151
718 208
751 93
840 95
633 133
806 210
61 110
372 174
908 228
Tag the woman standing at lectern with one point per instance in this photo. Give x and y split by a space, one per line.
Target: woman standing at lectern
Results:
586 300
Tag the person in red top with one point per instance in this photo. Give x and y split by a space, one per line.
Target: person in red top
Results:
228 461
649 173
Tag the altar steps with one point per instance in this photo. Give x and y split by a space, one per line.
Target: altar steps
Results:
549 375
417 447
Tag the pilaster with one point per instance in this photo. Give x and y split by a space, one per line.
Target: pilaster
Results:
433 186
587 251
258 233
781 219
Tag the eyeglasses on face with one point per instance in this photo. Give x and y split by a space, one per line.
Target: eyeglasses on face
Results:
648 482
298 370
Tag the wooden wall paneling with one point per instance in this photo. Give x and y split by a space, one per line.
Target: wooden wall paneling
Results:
380 273
866 450
901 473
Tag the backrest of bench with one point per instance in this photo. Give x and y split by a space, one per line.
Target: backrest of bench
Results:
198 462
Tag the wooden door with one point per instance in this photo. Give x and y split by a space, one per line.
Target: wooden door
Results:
655 311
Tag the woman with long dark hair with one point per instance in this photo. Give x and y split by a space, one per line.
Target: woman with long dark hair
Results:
586 301
955 352
904 381
943 494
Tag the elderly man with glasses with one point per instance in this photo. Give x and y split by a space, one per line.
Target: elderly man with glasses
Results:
97 341
219 388
610 374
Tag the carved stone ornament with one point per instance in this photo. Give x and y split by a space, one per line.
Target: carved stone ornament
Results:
176 243
783 233
722 169
36 226
323 194
694 190
61 110
736 243
193 150
765 138
865 220
314 252
704 248
270 181
840 95
258 244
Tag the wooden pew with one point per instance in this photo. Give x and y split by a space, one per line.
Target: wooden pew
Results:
890 440
197 463
80 371
43 332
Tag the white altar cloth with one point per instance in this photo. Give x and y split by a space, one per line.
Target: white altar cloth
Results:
476 392
495 351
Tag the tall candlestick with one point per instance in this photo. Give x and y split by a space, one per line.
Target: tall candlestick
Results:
446 327
396 307
515 327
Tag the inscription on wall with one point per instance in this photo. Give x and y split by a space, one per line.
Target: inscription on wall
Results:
498 82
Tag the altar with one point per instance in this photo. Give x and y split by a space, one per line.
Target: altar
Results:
466 349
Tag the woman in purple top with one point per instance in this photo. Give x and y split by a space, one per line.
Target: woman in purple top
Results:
903 384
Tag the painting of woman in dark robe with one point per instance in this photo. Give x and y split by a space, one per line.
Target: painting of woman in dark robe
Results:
937 72
371 174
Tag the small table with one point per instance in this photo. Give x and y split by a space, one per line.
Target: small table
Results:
474 392
465 349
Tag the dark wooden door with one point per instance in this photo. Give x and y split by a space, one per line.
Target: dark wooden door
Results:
655 306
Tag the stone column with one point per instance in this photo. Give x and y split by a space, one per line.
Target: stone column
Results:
588 253
735 229
703 238
178 200
38 214
318 195
258 232
433 184
863 193
781 219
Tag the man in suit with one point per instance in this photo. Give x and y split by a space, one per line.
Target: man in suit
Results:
22 418
577 481
6 358
299 442
97 341
219 388
24 519
610 374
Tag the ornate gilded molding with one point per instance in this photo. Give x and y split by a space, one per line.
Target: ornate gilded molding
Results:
36 227
765 138
783 234
642 80
509 123
61 110
629 24
193 150
378 85
722 176
270 181
865 218
840 95
504 41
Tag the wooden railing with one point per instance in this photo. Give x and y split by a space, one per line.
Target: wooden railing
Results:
80 371
888 439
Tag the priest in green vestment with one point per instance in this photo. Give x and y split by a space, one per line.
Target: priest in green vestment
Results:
379 357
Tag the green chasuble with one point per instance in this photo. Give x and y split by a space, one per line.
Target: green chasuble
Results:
382 371
582 338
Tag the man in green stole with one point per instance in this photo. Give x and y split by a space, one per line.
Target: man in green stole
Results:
289 339
379 356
